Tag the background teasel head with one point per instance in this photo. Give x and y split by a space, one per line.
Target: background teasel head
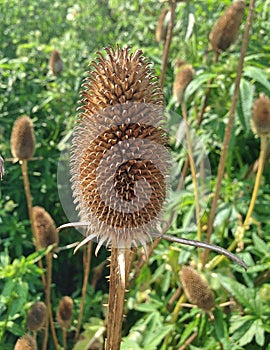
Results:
23 139
65 312
184 75
162 25
227 26
45 228
36 316
26 342
119 160
260 118
196 289
56 63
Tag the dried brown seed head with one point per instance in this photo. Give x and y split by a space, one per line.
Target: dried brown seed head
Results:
162 25
260 118
184 75
56 63
64 312
23 138
196 289
44 227
26 342
227 26
36 316
119 160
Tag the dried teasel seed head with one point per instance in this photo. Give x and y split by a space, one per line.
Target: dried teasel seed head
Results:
56 63
64 312
26 342
36 316
22 139
227 26
162 25
119 159
44 227
196 289
260 118
184 75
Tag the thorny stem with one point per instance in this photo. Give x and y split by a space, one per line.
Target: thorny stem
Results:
167 44
64 333
240 231
188 341
228 131
116 299
86 264
193 171
30 212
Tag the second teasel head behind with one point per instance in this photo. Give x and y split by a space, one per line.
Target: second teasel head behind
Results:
119 160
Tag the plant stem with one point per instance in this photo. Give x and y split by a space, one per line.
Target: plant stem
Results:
116 299
228 131
64 332
193 171
30 212
86 264
167 44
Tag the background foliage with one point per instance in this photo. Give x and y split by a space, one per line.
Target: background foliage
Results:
29 31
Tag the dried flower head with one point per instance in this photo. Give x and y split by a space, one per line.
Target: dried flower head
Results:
184 75
260 118
44 227
64 312
196 289
119 160
227 26
36 316
56 63
22 139
26 342
162 25
2 168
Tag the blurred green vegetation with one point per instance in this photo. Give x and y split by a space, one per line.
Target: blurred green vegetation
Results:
29 31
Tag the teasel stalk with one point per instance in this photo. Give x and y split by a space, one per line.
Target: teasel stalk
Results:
56 63
64 316
2 168
222 35
36 317
228 130
27 342
46 236
161 29
260 124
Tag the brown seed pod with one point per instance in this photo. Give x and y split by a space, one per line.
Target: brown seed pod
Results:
26 342
64 312
36 316
260 118
196 289
56 63
162 25
119 160
227 26
22 139
184 75
44 227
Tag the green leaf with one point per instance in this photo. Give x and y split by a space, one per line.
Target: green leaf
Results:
245 103
259 335
258 75
260 245
155 338
196 83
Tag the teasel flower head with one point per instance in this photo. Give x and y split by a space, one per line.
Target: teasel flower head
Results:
162 25
22 139
45 228
184 75
56 63
27 342
2 168
260 118
196 289
64 312
36 316
227 26
119 158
